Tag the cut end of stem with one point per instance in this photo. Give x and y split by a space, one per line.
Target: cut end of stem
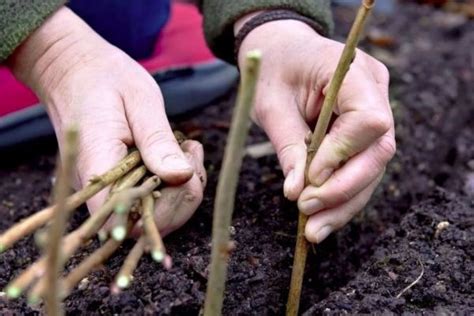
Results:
102 235
13 292
158 255
254 54
2 248
369 3
167 262
119 233
33 300
120 208
123 281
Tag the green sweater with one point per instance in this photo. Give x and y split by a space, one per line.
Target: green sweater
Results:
19 18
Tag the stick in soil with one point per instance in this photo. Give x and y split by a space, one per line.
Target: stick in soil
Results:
348 54
33 222
153 238
57 227
125 275
72 242
227 185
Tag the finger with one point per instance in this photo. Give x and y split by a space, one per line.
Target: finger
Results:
364 116
321 224
177 204
349 180
153 136
287 130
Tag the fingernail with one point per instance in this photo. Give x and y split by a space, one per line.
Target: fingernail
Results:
323 233
323 176
289 183
311 206
175 163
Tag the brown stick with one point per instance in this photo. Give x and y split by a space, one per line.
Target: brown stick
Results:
150 230
96 258
57 229
33 222
123 183
72 242
227 185
125 275
348 54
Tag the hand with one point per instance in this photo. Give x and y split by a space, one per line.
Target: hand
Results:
116 104
297 66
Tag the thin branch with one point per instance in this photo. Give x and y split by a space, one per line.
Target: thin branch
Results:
125 275
33 222
227 185
57 228
416 280
150 230
75 239
348 54
96 258
127 181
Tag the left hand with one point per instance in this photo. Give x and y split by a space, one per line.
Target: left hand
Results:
297 66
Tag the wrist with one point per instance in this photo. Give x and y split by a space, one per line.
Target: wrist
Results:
48 52
262 29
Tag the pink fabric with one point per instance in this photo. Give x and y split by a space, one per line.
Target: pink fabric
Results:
180 44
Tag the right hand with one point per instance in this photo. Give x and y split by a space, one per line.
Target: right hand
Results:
116 104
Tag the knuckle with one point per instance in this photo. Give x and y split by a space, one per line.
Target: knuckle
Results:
345 195
340 146
193 195
260 112
387 148
159 138
379 123
382 71
287 150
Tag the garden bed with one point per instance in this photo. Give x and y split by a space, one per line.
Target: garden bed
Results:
360 269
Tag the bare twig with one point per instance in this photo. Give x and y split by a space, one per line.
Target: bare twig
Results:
33 222
74 240
348 54
96 258
126 182
416 280
57 229
151 232
125 275
227 185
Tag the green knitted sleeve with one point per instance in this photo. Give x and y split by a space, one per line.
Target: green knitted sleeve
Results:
19 18
220 16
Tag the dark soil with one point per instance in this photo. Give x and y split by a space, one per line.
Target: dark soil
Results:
362 268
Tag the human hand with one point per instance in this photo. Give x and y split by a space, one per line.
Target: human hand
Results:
116 104
297 66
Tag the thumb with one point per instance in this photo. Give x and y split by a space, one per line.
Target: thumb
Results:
154 137
286 128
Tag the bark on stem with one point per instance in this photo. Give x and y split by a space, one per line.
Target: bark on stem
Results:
348 54
71 243
125 275
153 238
33 222
97 257
227 185
91 226
57 228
